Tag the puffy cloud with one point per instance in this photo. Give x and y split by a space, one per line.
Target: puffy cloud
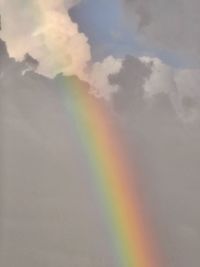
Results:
46 31
99 76
161 78
143 81
169 24
182 86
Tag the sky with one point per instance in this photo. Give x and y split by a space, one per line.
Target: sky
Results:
141 59
112 34
108 35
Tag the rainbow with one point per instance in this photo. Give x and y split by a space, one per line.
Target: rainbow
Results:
114 179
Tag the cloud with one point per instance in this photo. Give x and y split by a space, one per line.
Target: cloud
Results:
40 142
158 108
168 24
49 212
180 84
143 80
46 31
130 80
99 74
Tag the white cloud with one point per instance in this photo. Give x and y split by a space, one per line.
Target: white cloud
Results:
182 86
99 73
161 78
146 77
45 30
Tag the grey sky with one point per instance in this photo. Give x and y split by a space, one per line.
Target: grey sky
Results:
173 25
50 214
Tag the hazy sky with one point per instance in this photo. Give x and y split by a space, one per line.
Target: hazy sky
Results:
141 58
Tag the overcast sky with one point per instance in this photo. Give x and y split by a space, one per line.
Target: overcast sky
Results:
141 58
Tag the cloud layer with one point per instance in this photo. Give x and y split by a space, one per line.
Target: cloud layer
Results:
156 107
140 79
168 24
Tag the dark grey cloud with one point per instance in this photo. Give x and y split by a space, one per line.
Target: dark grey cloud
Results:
131 80
49 214
166 147
168 24
3 55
